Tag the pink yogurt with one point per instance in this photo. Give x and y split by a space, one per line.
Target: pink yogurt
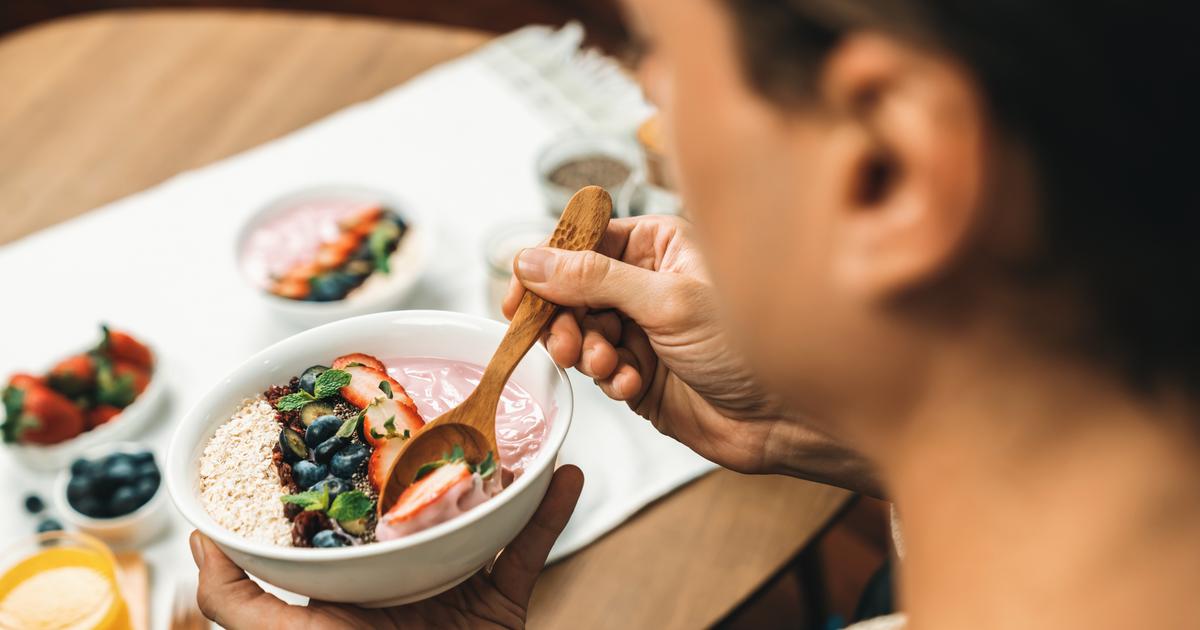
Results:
293 236
436 386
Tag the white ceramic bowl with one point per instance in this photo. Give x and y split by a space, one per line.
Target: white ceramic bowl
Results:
130 423
126 531
397 571
379 293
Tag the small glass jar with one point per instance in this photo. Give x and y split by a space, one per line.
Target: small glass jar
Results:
593 160
61 580
501 247
640 197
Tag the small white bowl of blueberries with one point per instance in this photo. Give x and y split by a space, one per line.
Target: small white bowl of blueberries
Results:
113 492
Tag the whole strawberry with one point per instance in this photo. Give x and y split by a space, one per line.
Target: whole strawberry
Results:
121 346
100 414
74 376
119 383
39 415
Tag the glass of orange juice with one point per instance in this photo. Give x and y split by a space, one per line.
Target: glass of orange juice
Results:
60 581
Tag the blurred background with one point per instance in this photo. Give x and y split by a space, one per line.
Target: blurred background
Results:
601 18
94 121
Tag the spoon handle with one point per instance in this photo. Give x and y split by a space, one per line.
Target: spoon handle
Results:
580 228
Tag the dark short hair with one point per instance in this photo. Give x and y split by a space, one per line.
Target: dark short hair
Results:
1105 97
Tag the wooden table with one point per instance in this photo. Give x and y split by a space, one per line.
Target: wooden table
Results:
101 106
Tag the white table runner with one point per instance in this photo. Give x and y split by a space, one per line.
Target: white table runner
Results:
456 144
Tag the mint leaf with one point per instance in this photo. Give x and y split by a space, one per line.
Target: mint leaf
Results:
351 505
330 382
348 427
381 242
455 454
309 499
486 467
386 388
292 402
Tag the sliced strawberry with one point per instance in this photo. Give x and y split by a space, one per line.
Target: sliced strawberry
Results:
302 272
336 252
385 415
73 376
381 461
100 414
403 417
362 221
341 362
122 346
48 417
426 490
291 288
365 388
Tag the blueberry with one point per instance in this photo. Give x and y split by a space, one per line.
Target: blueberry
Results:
125 500
143 457
117 457
329 538
34 504
321 429
307 474
88 506
347 462
145 488
334 485
148 471
395 218
120 471
81 467
291 444
308 378
331 286
328 449
49 525
79 487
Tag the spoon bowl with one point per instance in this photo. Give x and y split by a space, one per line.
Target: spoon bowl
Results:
472 425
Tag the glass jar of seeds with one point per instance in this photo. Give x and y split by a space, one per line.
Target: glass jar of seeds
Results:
571 162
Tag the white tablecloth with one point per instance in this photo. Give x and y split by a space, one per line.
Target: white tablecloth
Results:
457 144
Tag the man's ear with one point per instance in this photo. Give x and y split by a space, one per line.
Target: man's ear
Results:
913 161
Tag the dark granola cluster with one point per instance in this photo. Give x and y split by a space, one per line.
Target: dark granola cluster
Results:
306 524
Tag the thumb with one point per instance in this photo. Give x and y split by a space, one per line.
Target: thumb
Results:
570 278
226 594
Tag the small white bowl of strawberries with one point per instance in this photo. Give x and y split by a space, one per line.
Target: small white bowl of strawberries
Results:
330 252
105 393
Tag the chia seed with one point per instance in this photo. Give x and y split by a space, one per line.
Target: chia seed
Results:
590 170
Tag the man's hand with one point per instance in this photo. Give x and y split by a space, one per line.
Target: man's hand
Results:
643 323
495 599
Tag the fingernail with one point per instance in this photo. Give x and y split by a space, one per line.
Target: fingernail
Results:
197 548
534 265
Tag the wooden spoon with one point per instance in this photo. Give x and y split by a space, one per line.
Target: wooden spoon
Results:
472 424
